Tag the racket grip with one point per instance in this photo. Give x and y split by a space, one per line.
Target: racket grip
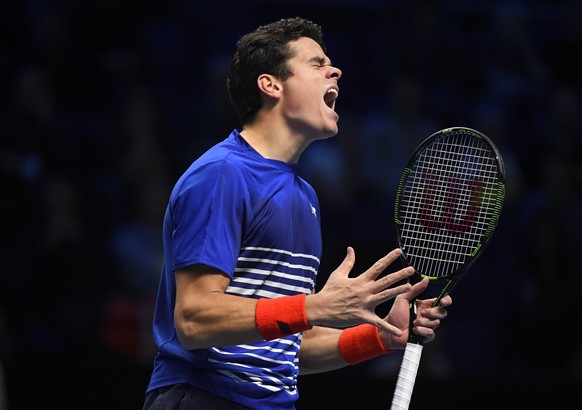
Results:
406 376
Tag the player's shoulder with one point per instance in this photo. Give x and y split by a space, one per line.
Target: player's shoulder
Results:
225 158
233 149
216 155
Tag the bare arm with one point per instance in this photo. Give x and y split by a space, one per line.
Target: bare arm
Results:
320 351
205 316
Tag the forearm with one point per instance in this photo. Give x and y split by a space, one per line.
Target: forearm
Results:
217 320
320 351
329 349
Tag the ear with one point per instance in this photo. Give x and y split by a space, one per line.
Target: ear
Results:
269 85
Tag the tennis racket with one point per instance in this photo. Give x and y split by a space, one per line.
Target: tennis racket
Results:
448 203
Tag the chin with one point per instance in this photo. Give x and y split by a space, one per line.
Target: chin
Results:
334 130
329 134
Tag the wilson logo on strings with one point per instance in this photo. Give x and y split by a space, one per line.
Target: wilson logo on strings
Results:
450 203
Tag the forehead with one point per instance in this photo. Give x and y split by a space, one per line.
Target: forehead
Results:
307 49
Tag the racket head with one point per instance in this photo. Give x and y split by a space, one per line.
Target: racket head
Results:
448 203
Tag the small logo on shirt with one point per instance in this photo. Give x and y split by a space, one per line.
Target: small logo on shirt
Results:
313 210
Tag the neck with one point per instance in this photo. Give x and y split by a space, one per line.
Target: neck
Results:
274 144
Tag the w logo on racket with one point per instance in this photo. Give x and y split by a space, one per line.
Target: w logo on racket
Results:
450 203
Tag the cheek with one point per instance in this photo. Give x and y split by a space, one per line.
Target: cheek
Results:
299 106
302 100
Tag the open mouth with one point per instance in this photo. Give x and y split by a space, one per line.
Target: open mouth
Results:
330 97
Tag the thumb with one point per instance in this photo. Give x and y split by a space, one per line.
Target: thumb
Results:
347 264
416 290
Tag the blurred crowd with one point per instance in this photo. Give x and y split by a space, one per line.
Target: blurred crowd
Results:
103 104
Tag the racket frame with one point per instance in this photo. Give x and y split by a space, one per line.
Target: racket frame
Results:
453 278
412 354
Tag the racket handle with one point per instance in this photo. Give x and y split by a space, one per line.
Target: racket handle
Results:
406 376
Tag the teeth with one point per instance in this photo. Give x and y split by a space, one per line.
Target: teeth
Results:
330 97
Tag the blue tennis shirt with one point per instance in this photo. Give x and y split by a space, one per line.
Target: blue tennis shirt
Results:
257 221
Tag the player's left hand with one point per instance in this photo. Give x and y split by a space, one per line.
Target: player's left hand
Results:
428 318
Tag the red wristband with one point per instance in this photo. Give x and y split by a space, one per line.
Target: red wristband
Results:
281 316
360 343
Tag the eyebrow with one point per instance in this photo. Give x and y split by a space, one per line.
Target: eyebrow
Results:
320 60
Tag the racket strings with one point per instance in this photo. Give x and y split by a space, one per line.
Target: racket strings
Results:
448 203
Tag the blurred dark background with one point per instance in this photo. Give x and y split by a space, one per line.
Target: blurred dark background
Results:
104 103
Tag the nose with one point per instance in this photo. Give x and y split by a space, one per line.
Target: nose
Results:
335 73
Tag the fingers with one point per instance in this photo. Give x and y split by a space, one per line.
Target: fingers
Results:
383 289
382 286
381 264
391 293
428 313
385 326
429 318
416 290
446 301
345 301
428 321
427 334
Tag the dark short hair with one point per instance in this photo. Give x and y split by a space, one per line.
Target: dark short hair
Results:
264 51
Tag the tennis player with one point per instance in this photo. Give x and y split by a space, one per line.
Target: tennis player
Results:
237 320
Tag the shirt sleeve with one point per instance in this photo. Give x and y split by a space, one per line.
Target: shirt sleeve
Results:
208 217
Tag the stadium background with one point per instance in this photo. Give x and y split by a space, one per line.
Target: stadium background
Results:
104 103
